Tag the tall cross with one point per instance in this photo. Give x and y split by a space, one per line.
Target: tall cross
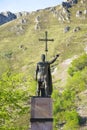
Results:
46 40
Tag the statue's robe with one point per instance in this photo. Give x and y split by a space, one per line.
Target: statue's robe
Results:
50 87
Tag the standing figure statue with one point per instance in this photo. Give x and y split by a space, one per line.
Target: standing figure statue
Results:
43 77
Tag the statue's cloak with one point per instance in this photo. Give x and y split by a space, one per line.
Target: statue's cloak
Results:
50 87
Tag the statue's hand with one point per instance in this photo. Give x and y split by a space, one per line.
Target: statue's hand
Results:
57 55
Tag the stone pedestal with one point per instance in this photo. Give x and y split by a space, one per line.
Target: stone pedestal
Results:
41 113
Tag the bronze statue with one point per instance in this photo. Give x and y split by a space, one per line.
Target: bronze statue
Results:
43 76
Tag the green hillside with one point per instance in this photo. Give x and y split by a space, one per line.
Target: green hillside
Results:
20 50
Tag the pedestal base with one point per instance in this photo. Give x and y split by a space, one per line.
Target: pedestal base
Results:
41 113
41 126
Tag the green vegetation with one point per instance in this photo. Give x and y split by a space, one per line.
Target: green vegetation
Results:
78 65
14 98
65 103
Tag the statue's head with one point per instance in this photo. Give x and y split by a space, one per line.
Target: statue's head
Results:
43 57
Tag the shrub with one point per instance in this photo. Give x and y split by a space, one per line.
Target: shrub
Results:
78 64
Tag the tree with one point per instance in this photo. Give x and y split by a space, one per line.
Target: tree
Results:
14 94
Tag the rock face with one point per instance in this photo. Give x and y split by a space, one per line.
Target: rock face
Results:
20 14
85 12
37 21
69 3
79 13
6 17
2 19
66 29
76 29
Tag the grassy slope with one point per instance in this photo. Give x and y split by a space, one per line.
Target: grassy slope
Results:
25 59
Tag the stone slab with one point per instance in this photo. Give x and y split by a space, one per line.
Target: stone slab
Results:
41 107
42 126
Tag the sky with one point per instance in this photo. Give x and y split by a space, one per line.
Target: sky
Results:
26 5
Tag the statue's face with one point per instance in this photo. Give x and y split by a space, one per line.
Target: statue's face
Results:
43 57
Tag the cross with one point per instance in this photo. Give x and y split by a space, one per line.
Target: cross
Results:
46 40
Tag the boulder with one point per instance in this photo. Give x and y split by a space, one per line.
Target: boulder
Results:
37 19
18 29
66 29
79 13
66 5
65 11
24 13
52 9
37 26
21 46
19 14
76 29
74 1
69 3
23 21
85 12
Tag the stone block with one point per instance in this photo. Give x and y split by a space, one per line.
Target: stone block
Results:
41 126
41 107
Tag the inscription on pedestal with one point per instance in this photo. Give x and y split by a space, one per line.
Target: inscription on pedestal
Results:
41 108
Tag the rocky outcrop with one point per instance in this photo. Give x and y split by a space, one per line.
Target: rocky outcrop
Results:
69 3
22 21
85 12
66 29
6 17
2 19
79 13
64 15
37 26
9 16
20 14
76 29
37 21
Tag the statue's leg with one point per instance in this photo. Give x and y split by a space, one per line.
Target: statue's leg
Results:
42 92
43 89
46 88
38 88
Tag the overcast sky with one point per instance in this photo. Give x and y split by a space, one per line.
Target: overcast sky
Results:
26 5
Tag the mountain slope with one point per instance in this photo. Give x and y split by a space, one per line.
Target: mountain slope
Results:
20 48
20 37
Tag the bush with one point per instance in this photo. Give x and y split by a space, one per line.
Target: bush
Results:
78 64
14 94
78 82
72 119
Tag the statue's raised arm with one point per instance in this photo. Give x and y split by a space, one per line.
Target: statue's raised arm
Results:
54 59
